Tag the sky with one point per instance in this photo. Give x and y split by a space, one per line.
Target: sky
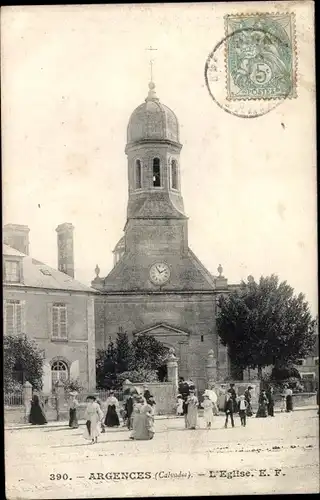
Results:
72 76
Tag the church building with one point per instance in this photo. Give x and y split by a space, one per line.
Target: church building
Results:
158 286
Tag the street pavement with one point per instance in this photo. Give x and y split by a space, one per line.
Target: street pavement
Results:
272 455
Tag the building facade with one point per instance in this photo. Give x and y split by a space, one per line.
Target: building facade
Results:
157 285
51 307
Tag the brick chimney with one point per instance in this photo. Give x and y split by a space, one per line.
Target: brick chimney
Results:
65 249
17 237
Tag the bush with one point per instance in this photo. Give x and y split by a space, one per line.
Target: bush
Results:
21 351
13 386
138 376
73 385
285 373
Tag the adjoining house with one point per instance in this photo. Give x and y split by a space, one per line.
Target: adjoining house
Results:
309 367
50 306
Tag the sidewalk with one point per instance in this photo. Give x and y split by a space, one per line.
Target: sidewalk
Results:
64 423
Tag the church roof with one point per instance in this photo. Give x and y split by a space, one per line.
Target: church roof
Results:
152 120
120 245
36 274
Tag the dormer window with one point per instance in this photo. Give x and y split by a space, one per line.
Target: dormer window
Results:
138 175
12 271
156 177
174 174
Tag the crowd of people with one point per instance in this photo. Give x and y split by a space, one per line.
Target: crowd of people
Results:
188 404
138 410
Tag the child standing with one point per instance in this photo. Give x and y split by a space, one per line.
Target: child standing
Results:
243 405
207 405
179 406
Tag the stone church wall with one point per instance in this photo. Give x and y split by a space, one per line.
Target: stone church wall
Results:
192 314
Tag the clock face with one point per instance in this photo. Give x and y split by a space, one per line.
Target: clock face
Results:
159 273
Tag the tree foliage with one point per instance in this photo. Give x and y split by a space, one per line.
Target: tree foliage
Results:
22 353
137 359
138 376
147 353
265 324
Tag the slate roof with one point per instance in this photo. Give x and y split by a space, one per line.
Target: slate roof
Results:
36 274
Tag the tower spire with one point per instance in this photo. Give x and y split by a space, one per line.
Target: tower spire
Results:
151 94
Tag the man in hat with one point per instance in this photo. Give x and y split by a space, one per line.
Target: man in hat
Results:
247 397
233 396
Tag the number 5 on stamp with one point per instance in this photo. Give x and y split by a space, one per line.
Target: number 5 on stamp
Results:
260 56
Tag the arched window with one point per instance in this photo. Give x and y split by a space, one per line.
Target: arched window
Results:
156 177
59 371
174 174
138 175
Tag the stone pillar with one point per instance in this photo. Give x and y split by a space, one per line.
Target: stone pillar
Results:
60 398
27 396
211 368
172 368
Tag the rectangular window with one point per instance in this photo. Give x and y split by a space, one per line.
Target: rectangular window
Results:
174 175
59 321
12 271
13 317
156 177
308 376
138 175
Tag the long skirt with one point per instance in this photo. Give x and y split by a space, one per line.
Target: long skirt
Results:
208 415
192 416
37 416
112 419
92 429
73 418
271 409
289 403
262 411
249 411
143 427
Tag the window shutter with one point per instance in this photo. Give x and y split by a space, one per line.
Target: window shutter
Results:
55 321
49 314
18 318
23 316
63 322
9 319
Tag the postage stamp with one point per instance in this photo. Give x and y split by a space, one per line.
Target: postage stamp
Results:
260 56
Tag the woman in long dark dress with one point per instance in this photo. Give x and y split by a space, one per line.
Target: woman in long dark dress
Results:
263 405
112 418
37 416
73 405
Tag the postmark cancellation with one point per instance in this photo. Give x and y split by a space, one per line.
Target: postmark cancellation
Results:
260 56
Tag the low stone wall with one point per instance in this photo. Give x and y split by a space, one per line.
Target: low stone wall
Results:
164 394
14 415
300 399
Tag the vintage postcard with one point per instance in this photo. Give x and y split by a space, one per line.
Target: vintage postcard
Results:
159 250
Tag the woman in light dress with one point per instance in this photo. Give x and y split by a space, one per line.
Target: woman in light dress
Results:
207 406
93 416
142 420
192 412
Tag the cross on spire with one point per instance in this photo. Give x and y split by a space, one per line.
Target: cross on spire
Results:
151 62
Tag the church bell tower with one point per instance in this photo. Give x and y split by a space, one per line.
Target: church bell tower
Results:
153 254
